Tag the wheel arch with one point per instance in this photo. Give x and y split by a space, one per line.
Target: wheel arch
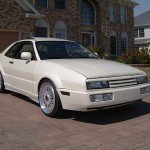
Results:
55 83
41 81
2 86
1 69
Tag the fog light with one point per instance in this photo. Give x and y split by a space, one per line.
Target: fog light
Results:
101 97
145 90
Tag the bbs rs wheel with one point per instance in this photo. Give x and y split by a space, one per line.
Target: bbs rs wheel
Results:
49 99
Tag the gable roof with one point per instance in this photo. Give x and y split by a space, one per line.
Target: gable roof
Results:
29 9
143 19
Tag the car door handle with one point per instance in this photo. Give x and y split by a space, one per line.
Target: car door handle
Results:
11 62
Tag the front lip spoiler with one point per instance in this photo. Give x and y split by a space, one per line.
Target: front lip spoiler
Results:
113 106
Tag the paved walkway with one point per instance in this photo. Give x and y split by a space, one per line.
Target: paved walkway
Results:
24 127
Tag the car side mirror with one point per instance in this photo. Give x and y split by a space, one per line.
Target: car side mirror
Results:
26 56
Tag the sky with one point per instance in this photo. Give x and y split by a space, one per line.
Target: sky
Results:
144 6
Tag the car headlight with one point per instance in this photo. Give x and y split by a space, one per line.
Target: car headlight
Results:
142 79
97 85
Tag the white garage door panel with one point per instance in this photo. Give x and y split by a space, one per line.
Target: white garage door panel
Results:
6 38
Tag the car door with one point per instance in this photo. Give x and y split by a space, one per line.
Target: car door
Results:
6 61
21 71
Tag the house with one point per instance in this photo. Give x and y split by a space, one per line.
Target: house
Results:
142 30
106 23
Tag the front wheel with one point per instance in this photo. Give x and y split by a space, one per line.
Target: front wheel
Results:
2 87
49 99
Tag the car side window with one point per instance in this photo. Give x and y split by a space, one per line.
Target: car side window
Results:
25 47
13 50
43 51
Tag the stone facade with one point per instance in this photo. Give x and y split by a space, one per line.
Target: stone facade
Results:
128 27
12 17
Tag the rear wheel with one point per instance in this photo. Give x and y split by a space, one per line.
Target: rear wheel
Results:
49 99
2 87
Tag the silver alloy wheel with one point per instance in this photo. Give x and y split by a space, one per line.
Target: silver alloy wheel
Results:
47 98
1 81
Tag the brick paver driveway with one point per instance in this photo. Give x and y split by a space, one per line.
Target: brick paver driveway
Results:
24 127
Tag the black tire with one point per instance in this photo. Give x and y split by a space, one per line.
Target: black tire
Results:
49 99
2 87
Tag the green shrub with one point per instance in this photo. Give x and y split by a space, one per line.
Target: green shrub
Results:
135 57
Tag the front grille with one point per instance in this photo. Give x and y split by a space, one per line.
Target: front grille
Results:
122 82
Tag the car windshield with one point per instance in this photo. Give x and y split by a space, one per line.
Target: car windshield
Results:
62 50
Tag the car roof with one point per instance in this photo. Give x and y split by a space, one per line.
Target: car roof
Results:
35 39
43 39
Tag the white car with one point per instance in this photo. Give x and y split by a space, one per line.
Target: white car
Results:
60 74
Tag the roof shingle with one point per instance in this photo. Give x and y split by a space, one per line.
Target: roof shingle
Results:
143 19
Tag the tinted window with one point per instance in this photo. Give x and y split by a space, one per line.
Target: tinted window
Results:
62 50
13 50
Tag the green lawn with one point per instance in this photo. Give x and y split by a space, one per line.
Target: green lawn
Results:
147 70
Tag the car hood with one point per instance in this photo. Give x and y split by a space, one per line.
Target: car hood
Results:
96 68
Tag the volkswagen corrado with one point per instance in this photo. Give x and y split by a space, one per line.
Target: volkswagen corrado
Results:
61 74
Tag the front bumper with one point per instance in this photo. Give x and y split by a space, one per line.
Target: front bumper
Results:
80 101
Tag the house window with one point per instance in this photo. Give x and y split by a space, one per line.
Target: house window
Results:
87 13
139 33
124 42
41 3
41 28
113 43
40 32
60 4
123 14
112 12
136 33
60 30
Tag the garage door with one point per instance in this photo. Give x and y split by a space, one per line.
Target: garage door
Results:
6 38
